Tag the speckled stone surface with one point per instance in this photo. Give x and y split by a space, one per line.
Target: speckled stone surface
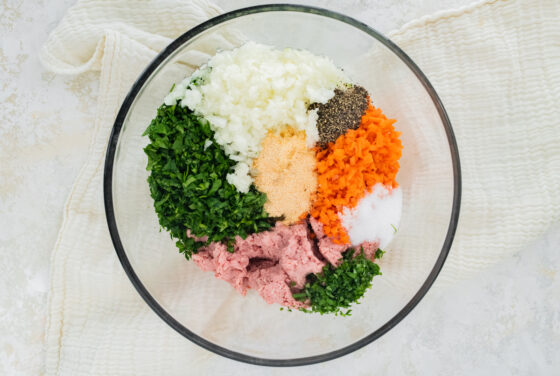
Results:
504 321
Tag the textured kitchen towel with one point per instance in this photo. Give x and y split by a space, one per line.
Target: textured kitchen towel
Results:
496 66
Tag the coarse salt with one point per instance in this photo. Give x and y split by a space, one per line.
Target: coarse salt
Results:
375 218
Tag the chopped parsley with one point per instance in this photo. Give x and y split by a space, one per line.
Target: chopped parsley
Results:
189 187
334 289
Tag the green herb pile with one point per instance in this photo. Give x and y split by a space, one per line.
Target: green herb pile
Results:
334 289
189 187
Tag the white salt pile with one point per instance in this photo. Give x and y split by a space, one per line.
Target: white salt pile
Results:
376 217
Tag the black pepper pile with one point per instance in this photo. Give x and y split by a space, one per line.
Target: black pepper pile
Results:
342 112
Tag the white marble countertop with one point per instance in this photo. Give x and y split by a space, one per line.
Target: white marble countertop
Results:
505 321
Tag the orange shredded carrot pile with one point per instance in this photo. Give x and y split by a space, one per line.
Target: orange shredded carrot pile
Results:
349 168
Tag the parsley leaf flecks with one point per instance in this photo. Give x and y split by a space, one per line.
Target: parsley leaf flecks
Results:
189 187
334 289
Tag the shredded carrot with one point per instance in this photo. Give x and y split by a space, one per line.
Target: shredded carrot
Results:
349 168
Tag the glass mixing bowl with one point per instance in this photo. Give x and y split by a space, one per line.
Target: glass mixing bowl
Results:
209 311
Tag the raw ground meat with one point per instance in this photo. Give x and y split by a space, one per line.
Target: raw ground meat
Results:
297 258
369 248
330 250
269 261
272 285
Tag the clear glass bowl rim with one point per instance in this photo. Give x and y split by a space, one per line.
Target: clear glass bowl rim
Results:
108 183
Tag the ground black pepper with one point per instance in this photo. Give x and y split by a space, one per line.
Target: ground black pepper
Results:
342 112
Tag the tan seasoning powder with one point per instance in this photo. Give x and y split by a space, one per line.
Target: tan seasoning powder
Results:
285 171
